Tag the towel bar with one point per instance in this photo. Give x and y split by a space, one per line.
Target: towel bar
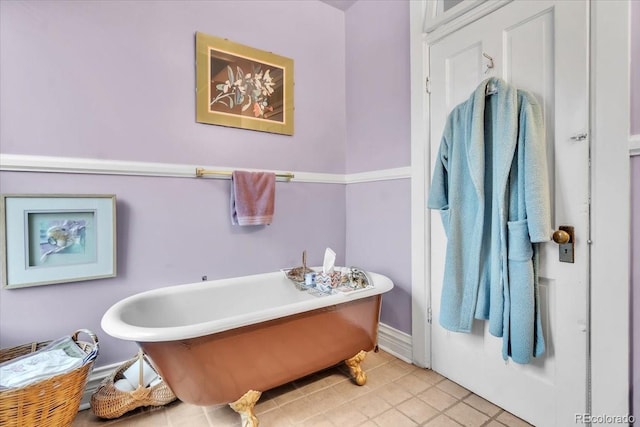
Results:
200 172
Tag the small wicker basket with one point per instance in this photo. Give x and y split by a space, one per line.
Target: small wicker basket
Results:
52 402
109 402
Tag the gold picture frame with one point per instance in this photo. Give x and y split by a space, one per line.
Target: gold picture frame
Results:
243 87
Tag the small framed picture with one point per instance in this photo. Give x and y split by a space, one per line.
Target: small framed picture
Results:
48 239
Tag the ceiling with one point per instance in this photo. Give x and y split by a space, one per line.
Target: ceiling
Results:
340 4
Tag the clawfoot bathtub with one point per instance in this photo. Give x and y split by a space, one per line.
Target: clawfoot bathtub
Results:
226 341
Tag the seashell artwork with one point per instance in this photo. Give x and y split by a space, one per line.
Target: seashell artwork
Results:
67 236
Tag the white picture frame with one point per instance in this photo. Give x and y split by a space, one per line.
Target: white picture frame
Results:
57 238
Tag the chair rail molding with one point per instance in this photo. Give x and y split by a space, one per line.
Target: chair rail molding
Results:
28 163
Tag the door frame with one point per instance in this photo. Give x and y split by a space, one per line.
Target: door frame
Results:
608 323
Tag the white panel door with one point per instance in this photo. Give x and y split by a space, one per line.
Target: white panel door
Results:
540 46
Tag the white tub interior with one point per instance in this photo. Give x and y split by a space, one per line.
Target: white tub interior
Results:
198 309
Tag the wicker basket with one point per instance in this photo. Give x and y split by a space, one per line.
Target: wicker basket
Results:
109 402
50 402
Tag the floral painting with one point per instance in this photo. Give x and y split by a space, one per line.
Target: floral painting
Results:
240 86
256 93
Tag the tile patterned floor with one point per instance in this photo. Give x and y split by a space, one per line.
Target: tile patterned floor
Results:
397 394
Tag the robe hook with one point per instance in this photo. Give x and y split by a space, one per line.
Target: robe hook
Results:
490 65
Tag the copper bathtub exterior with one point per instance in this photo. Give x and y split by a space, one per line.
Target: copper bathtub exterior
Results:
215 341
221 367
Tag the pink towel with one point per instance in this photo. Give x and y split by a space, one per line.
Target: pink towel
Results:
252 197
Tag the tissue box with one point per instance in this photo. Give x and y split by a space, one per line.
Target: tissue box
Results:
326 282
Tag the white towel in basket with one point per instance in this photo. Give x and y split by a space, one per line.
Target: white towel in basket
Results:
60 356
36 367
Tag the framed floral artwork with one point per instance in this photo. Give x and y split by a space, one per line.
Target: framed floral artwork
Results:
243 87
55 238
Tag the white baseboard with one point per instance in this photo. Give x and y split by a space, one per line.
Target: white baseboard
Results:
391 340
395 342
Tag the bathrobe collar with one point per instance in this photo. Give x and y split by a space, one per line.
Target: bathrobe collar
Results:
506 114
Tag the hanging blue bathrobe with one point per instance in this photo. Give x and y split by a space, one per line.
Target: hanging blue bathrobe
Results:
490 184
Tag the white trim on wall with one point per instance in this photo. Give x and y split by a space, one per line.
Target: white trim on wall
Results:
420 255
473 13
378 175
610 209
395 342
634 145
27 163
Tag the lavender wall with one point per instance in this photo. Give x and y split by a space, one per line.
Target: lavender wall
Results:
115 80
170 231
378 89
379 239
378 135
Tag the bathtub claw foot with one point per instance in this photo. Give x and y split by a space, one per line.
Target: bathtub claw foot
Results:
356 371
244 406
